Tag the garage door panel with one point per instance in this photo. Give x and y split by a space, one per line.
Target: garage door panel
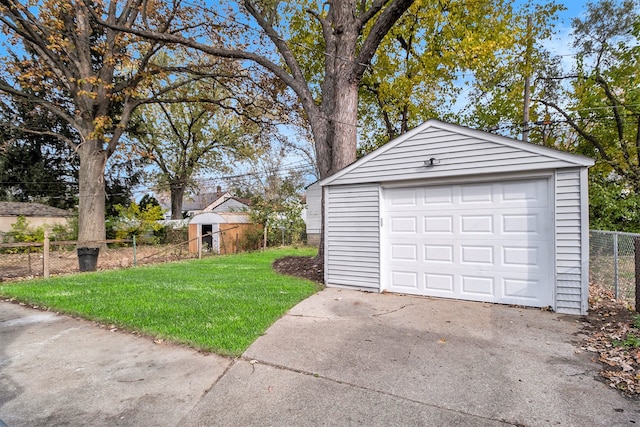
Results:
438 253
437 196
407 224
438 224
474 194
477 255
477 286
404 252
473 224
485 242
439 284
404 198
520 223
405 280
519 289
515 192
528 257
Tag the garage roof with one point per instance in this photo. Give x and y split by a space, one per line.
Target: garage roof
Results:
438 149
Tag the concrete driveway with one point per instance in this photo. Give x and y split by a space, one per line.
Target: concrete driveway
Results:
338 358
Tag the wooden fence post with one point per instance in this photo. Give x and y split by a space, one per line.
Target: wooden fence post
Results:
45 257
199 234
636 244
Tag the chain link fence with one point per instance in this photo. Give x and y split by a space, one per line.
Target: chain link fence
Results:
612 262
28 260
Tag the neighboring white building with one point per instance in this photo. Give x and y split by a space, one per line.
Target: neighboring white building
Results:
452 212
312 213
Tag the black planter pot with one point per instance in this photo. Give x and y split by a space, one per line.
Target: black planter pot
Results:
88 258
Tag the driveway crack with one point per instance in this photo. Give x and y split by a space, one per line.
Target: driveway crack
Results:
254 361
392 311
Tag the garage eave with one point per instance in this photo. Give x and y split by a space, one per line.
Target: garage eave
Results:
554 158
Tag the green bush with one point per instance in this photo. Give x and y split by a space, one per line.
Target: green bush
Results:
252 239
133 220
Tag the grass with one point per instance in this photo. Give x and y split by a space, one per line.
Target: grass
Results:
221 304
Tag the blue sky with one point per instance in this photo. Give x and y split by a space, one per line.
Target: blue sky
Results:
561 43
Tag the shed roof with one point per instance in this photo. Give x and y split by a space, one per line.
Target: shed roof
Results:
31 210
220 218
457 150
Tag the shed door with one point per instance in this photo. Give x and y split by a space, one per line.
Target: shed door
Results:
483 242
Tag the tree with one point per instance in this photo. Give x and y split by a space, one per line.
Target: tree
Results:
36 167
274 190
604 106
423 62
496 102
183 139
613 205
39 167
592 109
351 33
89 75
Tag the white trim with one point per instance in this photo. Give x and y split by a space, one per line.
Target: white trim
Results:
573 159
469 179
584 239
381 236
553 205
323 225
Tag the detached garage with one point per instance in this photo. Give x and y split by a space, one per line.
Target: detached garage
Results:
452 212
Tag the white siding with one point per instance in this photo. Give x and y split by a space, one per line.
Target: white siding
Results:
314 206
456 155
570 235
352 236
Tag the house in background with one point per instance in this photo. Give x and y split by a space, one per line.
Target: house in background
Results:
453 212
222 225
191 205
35 213
227 202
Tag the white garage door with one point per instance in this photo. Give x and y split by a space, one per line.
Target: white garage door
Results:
482 242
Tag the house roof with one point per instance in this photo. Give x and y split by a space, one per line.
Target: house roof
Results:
31 210
223 199
566 159
199 201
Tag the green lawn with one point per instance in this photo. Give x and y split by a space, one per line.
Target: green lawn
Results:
220 304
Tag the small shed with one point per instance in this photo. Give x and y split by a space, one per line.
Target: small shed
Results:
447 211
222 232
36 214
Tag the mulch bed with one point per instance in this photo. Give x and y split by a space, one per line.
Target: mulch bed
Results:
306 267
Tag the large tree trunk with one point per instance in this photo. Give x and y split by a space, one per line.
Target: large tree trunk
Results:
177 195
344 126
338 139
91 209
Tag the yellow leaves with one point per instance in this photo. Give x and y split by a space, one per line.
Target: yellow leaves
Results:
88 94
101 125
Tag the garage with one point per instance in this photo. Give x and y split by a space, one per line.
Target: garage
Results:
486 242
447 211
